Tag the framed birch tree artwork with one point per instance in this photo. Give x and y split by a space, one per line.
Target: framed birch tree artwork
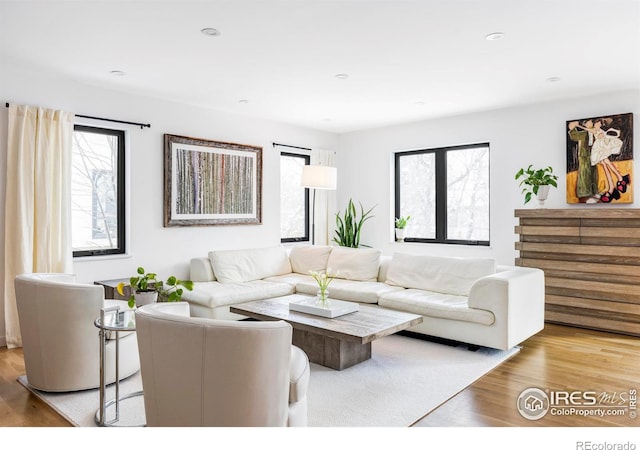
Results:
600 159
211 183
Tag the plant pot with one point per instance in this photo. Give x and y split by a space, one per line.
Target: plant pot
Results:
146 298
400 233
543 193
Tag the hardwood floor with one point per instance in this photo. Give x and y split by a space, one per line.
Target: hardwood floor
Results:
558 358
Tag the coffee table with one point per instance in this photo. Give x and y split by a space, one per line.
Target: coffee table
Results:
337 343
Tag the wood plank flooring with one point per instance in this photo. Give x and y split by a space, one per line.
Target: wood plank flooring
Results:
558 358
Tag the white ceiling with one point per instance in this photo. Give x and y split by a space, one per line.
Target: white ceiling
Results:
406 60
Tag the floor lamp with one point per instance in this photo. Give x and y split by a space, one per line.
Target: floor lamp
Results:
318 177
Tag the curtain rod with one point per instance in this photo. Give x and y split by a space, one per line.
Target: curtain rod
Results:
141 125
290 146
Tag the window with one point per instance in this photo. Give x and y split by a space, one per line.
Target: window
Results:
446 193
97 191
294 199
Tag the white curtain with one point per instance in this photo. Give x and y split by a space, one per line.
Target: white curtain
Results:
38 200
325 200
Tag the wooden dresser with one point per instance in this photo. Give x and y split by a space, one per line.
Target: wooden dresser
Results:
591 260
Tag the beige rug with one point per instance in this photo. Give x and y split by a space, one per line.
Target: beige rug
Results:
405 379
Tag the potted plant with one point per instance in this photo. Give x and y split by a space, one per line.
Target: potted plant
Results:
401 223
146 288
536 182
350 226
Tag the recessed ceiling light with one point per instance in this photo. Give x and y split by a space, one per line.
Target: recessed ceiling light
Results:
342 76
210 32
494 36
553 79
419 103
326 119
244 100
117 73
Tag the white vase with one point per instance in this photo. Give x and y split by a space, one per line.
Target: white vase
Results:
543 193
145 298
400 233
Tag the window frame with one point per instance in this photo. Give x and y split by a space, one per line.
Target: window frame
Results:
121 248
440 195
307 218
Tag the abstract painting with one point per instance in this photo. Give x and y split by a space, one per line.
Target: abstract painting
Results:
211 182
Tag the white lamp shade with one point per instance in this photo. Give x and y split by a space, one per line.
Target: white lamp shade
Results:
319 177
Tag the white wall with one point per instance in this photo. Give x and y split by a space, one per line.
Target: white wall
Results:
163 250
517 136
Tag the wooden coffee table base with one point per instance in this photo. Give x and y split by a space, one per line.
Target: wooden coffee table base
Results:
337 343
331 352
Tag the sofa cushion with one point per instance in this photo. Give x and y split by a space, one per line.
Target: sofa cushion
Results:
447 275
358 264
236 266
355 291
309 257
291 278
213 293
435 304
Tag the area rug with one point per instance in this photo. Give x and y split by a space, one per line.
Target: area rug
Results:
405 379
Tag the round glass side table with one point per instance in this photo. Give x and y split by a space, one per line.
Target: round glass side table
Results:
113 320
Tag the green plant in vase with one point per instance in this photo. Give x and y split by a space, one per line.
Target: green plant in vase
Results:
323 281
536 182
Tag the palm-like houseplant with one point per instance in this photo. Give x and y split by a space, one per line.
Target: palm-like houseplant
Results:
349 226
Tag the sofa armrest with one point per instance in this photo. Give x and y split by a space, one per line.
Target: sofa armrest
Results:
200 270
515 297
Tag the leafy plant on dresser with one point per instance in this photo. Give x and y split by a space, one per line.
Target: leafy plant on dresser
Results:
532 179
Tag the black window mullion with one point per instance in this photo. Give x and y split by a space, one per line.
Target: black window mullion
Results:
441 196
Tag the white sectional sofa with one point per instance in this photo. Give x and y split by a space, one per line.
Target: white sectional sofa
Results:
463 299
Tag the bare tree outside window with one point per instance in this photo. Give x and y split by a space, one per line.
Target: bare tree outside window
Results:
294 199
97 197
446 193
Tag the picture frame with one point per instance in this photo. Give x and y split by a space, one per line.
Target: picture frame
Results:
211 182
600 159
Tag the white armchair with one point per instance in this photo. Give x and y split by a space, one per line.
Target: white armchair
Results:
60 341
207 372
